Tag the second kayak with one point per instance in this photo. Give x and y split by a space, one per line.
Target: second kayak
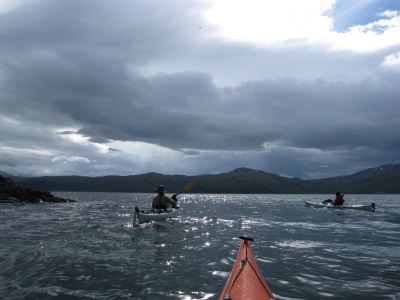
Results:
246 280
369 207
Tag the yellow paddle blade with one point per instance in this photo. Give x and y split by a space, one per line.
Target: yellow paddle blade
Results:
188 187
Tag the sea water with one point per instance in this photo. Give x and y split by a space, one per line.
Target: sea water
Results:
91 250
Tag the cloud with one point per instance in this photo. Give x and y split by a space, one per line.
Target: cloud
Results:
392 61
270 22
93 88
73 159
294 23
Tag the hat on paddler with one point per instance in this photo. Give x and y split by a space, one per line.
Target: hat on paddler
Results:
160 188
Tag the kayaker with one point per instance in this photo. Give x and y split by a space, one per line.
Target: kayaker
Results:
160 201
339 200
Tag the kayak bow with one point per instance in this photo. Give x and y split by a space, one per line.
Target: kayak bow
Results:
246 280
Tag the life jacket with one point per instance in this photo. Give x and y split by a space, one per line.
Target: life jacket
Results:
159 199
339 200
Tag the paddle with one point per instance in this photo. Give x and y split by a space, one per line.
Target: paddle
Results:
186 188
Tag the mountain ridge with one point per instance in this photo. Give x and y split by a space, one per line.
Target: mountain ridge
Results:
383 179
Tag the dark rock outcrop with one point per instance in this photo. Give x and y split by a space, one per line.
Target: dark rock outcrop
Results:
12 193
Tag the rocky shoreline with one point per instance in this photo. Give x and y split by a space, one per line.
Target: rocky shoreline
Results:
10 192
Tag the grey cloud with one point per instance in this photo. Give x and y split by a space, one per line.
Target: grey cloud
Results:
137 71
66 132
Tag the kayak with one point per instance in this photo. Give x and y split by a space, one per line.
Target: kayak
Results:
369 207
153 215
159 214
246 280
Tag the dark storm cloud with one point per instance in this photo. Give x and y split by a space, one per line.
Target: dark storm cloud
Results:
290 113
78 76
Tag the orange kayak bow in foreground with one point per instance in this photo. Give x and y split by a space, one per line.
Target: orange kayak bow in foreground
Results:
246 280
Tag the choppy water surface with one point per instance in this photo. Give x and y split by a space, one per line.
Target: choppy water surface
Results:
90 250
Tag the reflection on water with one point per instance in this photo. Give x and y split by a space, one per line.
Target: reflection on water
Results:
90 249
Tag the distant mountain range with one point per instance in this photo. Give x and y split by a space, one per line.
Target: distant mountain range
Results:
384 179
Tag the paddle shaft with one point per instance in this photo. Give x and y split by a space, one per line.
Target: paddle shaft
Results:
186 188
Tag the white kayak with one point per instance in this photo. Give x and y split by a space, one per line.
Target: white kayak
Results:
369 207
153 215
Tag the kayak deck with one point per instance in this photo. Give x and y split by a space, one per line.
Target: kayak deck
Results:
153 215
369 207
245 280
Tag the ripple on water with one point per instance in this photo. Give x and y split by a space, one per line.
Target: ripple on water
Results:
81 250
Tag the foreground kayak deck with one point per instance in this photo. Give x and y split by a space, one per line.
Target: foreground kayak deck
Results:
151 215
370 207
246 280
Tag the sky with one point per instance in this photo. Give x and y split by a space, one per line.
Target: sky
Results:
306 89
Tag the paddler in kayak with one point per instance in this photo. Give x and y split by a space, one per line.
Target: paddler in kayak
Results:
339 200
160 201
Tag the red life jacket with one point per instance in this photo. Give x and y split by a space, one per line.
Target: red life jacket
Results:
339 200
